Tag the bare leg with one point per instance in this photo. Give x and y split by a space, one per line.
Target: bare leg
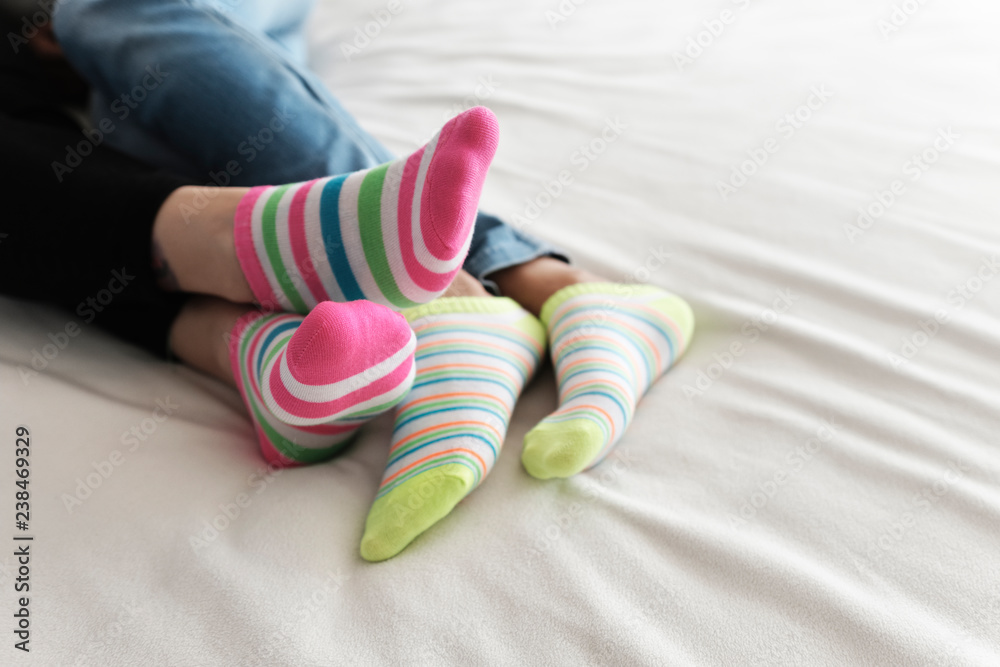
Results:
193 246
465 285
193 243
200 335
532 283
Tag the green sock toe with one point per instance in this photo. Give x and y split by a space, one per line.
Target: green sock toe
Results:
561 448
399 516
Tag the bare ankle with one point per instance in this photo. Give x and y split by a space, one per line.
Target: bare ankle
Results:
193 243
532 284
200 335
465 285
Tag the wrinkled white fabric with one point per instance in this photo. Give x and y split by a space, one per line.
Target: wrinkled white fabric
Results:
807 500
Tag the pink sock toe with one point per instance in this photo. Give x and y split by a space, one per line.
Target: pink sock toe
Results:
455 177
339 340
344 360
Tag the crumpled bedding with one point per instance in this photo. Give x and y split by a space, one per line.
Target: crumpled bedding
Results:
815 483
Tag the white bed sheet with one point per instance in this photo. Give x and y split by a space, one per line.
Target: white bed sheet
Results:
810 501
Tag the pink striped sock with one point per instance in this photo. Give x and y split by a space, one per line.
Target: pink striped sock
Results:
310 383
396 234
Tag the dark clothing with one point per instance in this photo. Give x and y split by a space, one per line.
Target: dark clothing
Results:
77 217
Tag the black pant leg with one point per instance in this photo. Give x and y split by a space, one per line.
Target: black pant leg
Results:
82 239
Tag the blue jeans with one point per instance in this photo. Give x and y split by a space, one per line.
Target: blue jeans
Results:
218 91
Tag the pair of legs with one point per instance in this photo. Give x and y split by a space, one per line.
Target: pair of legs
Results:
201 259
225 98
470 356
218 92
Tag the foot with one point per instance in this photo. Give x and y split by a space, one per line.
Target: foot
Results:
474 356
533 282
609 344
310 383
394 235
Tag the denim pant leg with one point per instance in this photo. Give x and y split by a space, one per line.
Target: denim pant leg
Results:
496 245
212 86
226 99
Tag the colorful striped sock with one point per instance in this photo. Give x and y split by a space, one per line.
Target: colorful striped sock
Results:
474 356
609 344
309 383
395 235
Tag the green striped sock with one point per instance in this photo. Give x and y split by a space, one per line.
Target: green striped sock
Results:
474 356
609 344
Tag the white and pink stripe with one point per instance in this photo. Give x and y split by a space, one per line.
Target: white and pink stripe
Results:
396 234
310 383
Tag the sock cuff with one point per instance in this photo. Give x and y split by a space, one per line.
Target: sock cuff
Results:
463 304
246 253
610 289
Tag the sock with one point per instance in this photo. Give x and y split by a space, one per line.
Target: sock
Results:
309 383
395 235
609 343
474 356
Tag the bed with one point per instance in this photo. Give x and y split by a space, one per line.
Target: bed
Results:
817 482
